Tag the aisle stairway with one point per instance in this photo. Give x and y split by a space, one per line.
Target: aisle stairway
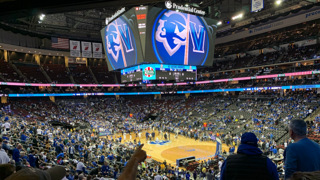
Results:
93 76
45 74
19 72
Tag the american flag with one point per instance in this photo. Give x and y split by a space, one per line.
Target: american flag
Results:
60 43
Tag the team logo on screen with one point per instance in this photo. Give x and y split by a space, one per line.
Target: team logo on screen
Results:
168 4
180 38
120 44
148 72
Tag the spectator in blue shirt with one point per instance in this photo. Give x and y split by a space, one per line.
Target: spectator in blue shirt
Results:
101 160
16 154
115 173
23 138
275 151
304 154
5 146
94 164
32 160
60 155
105 169
110 157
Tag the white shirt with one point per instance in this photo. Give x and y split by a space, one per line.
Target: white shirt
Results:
39 131
4 158
220 164
7 125
80 166
158 177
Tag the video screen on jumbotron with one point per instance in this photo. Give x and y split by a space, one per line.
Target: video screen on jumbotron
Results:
156 35
165 72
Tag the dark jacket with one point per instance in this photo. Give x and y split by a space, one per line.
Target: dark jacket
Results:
58 149
251 150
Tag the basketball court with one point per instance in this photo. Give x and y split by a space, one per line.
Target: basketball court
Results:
177 148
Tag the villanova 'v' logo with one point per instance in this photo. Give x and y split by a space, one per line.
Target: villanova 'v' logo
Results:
197 37
125 37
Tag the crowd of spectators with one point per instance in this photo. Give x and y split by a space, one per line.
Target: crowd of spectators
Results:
32 138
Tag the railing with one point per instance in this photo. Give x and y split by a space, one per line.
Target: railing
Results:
171 92
303 73
245 96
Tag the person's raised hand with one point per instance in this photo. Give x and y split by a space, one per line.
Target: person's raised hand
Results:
140 155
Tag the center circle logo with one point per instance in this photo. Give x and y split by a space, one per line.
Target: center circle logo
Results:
180 38
148 72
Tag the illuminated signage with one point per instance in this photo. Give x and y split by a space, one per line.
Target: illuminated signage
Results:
118 13
171 5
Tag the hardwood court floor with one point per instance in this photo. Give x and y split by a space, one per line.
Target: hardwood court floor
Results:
178 148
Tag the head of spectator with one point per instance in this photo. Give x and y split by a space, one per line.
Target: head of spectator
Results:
249 138
6 170
19 146
81 177
297 129
54 173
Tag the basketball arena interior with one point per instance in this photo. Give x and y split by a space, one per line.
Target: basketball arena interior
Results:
160 90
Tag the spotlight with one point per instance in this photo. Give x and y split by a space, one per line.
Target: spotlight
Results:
278 2
42 16
237 17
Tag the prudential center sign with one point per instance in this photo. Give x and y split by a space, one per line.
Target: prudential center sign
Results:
174 6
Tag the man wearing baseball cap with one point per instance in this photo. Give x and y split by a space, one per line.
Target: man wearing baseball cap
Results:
54 173
248 163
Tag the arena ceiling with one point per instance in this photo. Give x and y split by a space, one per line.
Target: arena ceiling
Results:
85 18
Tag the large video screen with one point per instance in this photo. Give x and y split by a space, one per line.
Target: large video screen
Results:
179 38
156 35
121 41
165 72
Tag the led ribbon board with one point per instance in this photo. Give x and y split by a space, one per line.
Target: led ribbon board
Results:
171 92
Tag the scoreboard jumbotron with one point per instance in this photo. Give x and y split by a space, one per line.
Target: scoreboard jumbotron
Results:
161 72
151 35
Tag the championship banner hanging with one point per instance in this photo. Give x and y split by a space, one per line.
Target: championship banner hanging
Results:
256 5
97 50
86 49
75 48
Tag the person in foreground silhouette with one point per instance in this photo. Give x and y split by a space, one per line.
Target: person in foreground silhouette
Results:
248 163
131 169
